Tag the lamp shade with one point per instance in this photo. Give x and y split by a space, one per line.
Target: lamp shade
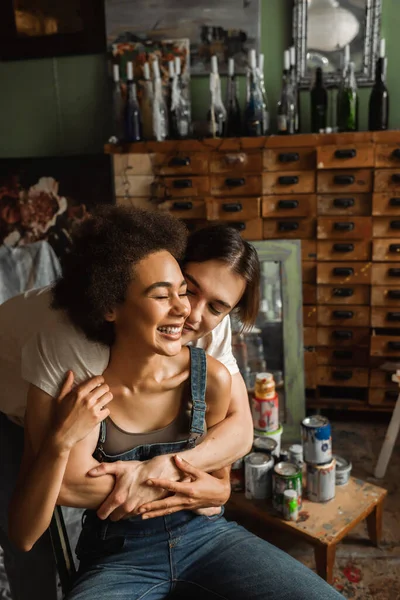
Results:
330 27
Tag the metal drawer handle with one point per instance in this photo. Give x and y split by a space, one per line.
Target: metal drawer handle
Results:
343 314
343 271
343 247
341 334
343 354
288 226
396 153
235 159
233 207
394 248
394 294
287 157
343 202
394 201
179 161
343 292
288 204
394 345
396 178
288 179
346 153
235 182
394 224
391 395
394 272
344 179
182 206
182 183
342 375
393 316
343 226
239 226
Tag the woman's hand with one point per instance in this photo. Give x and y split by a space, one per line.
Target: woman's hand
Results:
201 492
77 411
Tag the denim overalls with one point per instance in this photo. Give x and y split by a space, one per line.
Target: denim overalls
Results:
183 555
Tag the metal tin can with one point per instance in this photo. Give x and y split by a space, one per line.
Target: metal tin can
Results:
296 455
284 456
264 444
286 476
264 386
290 505
321 482
274 435
343 470
258 469
317 440
265 413
237 476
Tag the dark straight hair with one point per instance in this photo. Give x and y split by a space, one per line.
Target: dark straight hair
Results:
224 243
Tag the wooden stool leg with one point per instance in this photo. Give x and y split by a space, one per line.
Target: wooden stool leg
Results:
374 524
325 560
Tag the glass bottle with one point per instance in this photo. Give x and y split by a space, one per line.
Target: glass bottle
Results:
146 104
132 117
378 117
181 116
345 60
254 111
233 117
348 107
286 104
319 103
266 119
160 112
296 90
117 135
217 113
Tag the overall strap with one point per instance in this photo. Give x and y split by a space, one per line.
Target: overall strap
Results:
198 381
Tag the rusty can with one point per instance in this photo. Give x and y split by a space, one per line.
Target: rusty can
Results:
321 482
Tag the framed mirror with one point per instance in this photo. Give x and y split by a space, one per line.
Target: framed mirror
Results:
321 30
275 344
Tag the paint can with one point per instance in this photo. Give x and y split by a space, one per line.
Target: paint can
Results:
284 456
237 476
317 440
321 482
273 435
258 481
264 444
343 470
290 505
296 455
286 476
265 403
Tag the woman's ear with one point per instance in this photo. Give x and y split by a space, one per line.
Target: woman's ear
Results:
110 316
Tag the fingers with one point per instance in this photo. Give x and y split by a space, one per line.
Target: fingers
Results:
67 385
187 467
162 513
167 504
94 397
85 388
179 487
105 469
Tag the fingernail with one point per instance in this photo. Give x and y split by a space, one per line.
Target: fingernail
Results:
149 482
145 516
95 470
179 458
142 510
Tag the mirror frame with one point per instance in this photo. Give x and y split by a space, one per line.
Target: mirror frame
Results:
366 76
288 254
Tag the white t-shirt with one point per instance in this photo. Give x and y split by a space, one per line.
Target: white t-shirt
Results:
41 344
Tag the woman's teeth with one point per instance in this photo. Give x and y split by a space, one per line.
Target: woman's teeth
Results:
170 330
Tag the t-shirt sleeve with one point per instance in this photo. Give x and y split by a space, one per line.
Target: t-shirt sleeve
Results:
48 356
221 346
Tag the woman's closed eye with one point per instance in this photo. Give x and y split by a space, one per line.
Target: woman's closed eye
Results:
214 310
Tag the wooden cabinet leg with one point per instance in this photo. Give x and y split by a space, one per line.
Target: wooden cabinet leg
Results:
325 560
374 524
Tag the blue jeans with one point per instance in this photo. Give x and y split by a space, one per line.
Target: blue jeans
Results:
205 557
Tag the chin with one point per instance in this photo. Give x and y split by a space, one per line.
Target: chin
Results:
188 336
169 349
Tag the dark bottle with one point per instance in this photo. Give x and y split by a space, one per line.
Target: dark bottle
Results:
132 120
117 134
319 103
233 117
254 112
378 118
216 116
287 105
348 102
296 89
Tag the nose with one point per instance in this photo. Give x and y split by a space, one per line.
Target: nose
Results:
196 310
181 306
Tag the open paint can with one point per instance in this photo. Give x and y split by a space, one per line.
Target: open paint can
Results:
273 435
343 470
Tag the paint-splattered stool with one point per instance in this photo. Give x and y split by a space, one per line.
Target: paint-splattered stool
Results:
323 525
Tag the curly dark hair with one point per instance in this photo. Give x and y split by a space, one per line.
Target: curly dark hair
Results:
98 269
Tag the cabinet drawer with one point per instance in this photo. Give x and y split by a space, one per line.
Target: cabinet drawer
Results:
242 209
289 182
345 157
382 379
138 186
353 357
280 159
242 185
310 369
310 336
249 230
344 274
388 249
309 293
289 206
343 336
309 316
182 187
341 376
185 209
385 345
342 250
344 181
173 163
236 162
385 317
385 204
343 294
309 272
344 204
385 274
382 397
289 228
346 316
309 250
356 228
386 227
387 155
385 296
387 180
